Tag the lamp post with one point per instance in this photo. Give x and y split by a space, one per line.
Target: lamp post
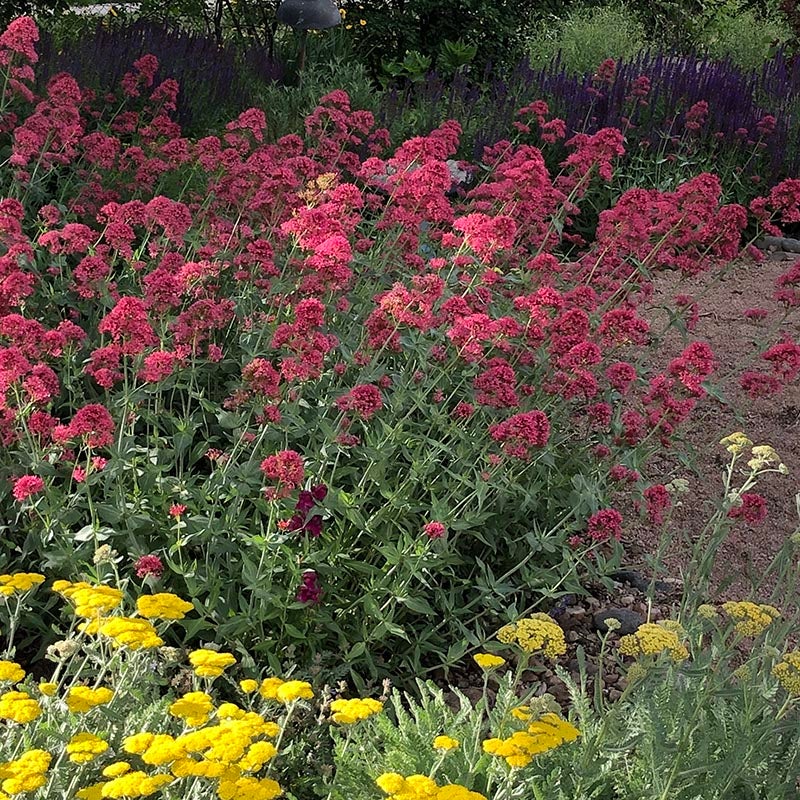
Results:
305 16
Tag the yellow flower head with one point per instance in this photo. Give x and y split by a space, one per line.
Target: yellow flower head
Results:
194 708
19 707
537 633
707 611
19 582
652 639
162 606
751 619
209 663
24 774
81 699
735 443
83 747
11 671
269 688
290 691
131 632
248 685
787 671
135 784
47 688
445 743
348 712
89 601
488 661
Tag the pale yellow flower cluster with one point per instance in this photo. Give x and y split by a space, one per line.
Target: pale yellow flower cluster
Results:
537 633
752 619
654 638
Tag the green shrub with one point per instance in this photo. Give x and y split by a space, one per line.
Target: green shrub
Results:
588 36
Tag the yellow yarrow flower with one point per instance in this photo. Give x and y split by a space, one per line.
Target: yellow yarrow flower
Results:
652 639
269 688
19 582
81 699
116 769
162 606
421 787
290 691
488 661
47 688
137 634
250 788
24 774
445 743
83 747
735 443
787 671
11 671
751 619
248 685
537 633
209 663
19 707
194 708
546 733
89 601
348 712
135 784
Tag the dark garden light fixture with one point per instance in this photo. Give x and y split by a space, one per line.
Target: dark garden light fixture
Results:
308 15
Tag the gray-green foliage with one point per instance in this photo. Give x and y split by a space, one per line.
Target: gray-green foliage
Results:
588 36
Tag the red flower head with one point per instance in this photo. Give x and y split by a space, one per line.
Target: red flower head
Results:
434 530
287 468
26 486
149 565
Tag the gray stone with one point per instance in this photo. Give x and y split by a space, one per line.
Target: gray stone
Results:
629 620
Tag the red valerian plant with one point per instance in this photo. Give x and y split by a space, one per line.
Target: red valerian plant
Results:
326 354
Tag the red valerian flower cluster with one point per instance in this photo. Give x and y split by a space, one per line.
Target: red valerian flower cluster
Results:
343 313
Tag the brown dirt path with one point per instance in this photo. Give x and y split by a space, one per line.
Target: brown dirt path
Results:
775 420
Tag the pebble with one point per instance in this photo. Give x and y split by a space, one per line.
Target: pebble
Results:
614 695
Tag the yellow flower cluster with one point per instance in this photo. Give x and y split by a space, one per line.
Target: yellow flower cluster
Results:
19 707
225 751
752 619
445 743
652 639
787 671
89 601
421 787
764 456
348 712
25 774
539 632
162 606
11 671
131 784
19 582
81 699
209 663
736 442
83 747
488 661
132 632
546 733
285 691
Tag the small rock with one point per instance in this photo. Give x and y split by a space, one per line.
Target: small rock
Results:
614 695
655 613
627 600
629 620
592 602
610 678
572 636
